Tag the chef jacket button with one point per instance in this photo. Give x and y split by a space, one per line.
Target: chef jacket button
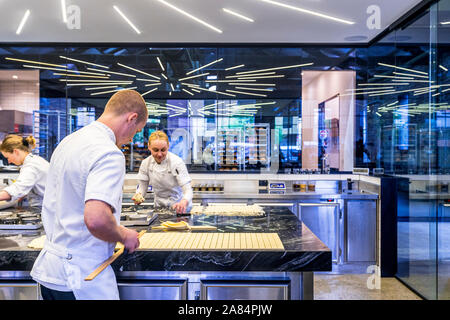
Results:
69 256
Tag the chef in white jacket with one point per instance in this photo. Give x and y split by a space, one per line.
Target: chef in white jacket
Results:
82 204
167 174
33 173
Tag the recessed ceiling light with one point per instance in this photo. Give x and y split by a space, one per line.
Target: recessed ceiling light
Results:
355 38
308 11
190 16
22 23
15 77
238 15
127 20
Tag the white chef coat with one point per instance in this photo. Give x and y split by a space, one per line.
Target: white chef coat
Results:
31 180
167 180
86 165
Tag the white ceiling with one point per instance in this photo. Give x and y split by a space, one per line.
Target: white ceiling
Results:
158 23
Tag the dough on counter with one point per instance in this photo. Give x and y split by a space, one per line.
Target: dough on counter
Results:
38 243
229 210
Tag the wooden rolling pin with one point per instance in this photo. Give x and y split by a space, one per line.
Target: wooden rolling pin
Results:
110 260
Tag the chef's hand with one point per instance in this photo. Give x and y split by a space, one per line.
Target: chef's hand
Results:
138 198
180 207
130 239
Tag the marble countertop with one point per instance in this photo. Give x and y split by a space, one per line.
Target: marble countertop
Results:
303 250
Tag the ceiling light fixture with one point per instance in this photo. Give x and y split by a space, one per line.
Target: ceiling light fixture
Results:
232 81
36 62
85 62
100 88
443 68
262 77
235 67
109 91
446 22
79 75
382 84
251 75
215 91
277 68
187 91
148 80
401 68
145 93
127 20
206 65
254 89
111 81
113 72
190 16
401 80
152 84
69 84
410 75
157 58
238 15
393 77
63 9
164 76
248 93
22 23
65 70
196 76
171 85
308 11
254 84
136 70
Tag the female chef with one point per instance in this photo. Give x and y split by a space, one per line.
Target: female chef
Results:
33 174
167 174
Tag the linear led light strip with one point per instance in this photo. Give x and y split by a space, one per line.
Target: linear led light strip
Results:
382 84
410 75
401 80
393 77
206 65
63 10
23 21
171 86
36 62
254 84
238 15
358 93
321 15
65 70
109 91
152 84
215 91
235 67
110 81
148 80
379 88
79 75
85 62
100 88
94 84
395 92
145 93
113 72
174 106
251 75
424 92
254 89
443 68
136 70
126 19
276 68
196 76
187 91
160 64
401 68
231 81
195 90
247 93
263 77
190 16
164 76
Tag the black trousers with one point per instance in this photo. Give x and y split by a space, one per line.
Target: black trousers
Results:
49 294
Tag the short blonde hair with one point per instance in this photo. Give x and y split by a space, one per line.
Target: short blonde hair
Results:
124 101
158 135
14 141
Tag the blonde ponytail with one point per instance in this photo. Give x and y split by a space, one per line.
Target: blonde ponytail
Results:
13 141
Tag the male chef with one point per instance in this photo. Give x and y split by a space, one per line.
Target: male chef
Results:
82 204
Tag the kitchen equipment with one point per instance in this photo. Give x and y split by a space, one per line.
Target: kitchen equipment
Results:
181 225
110 260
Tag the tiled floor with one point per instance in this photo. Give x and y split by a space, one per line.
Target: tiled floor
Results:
357 287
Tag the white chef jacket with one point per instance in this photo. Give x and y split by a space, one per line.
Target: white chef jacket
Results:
31 180
168 179
86 165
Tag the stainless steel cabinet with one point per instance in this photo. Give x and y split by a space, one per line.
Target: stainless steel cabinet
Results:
322 218
244 289
153 289
19 290
360 231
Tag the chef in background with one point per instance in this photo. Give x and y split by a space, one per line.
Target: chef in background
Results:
167 174
33 174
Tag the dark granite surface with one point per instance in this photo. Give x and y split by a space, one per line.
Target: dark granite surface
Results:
303 250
